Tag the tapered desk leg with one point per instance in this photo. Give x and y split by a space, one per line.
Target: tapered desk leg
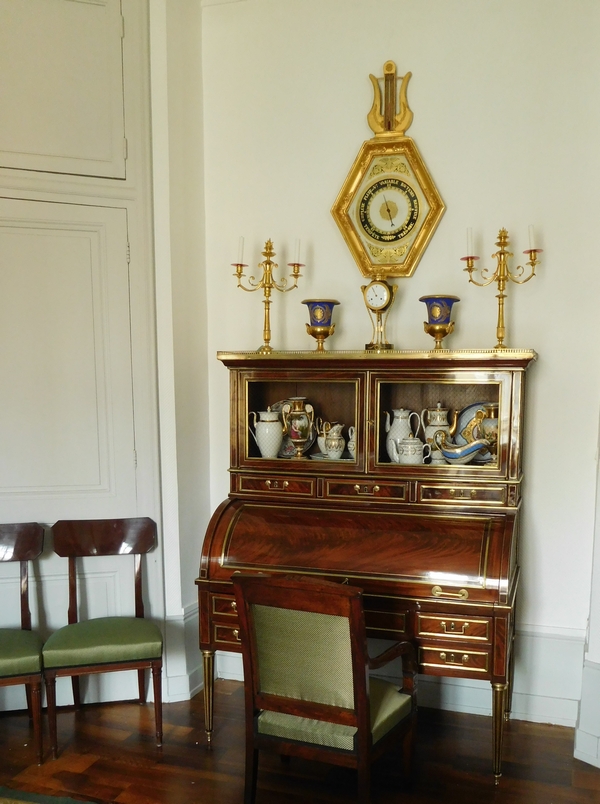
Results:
498 711
511 679
208 662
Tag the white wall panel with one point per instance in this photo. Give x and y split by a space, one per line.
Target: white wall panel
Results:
61 95
66 398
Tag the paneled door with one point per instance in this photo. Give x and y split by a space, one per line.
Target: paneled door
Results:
67 446
61 95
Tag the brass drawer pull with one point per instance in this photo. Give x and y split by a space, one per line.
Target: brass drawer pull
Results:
365 489
460 493
236 634
452 628
451 659
275 484
234 605
437 591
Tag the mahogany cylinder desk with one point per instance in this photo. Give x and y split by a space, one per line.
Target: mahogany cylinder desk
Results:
434 546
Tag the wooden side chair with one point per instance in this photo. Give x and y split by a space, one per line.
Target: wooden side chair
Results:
21 648
104 644
307 687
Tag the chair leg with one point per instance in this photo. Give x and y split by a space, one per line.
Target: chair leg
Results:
157 686
251 773
34 695
76 692
51 701
364 781
142 685
29 704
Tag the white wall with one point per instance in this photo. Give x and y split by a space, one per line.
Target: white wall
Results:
504 115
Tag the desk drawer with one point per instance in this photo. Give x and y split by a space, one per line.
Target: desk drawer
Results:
279 485
226 635
366 490
381 623
224 605
492 495
450 661
465 629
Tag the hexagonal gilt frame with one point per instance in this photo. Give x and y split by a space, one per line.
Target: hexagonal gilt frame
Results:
389 160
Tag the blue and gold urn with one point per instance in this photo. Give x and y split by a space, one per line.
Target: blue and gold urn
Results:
320 312
439 312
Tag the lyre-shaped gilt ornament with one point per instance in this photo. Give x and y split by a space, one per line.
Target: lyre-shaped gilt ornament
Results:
388 118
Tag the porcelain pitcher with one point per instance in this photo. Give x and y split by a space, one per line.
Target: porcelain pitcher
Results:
268 432
399 429
335 442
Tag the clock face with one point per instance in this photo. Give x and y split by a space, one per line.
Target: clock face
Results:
377 295
388 208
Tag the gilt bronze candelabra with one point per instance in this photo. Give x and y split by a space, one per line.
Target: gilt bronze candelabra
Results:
502 275
268 284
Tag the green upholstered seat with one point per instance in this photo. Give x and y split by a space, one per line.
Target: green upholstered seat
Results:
103 641
388 707
21 652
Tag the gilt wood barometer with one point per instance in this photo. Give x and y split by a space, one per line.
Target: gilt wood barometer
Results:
388 207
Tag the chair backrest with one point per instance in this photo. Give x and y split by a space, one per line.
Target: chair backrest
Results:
304 647
22 542
74 538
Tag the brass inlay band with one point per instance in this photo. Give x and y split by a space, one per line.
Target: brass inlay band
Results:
416 354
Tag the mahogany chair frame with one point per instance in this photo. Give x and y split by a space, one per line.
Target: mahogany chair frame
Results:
24 542
75 539
326 597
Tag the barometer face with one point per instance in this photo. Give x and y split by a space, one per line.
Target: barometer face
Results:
388 210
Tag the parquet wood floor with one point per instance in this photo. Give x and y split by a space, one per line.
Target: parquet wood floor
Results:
107 754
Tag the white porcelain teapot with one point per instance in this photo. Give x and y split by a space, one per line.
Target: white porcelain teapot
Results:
399 429
410 450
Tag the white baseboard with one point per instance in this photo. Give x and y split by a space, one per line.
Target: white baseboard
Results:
587 733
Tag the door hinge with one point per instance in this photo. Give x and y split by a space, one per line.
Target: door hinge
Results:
128 252
125 149
122 27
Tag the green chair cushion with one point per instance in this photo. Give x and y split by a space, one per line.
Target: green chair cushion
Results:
103 641
20 652
388 707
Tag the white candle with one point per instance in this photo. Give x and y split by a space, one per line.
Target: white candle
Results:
470 242
240 260
297 252
531 238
